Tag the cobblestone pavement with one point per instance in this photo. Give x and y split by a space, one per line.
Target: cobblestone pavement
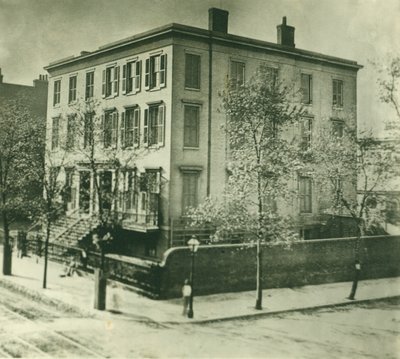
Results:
34 329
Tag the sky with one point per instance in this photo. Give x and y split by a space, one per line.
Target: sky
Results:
35 32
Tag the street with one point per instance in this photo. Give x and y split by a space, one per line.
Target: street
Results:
34 329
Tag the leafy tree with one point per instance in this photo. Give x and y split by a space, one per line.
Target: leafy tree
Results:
263 160
19 188
389 83
340 160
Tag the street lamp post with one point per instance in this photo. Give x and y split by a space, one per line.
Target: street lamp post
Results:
193 244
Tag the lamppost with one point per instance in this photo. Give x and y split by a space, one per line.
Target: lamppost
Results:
193 244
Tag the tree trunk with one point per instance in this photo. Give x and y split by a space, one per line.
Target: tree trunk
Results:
357 261
46 251
259 275
7 247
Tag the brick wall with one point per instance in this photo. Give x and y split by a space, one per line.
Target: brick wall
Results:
228 268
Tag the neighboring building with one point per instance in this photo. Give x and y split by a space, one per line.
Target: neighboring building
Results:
33 97
159 90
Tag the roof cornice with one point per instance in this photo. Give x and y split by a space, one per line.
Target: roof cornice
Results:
227 39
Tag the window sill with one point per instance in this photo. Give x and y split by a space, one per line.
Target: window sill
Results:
191 148
130 148
192 89
72 103
110 97
339 108
57 105
131 93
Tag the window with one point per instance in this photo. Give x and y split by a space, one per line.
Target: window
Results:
131 77
110 126
130 193
305 133
89 88
153 126
130 126
72 89
305 194
71 131
57 92
237 73
191 126
306 88
110 84
338 128
156 70
189 189
272 75
88 130
337 97
55 132
192 71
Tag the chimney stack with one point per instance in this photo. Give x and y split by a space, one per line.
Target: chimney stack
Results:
285 34
1 77
218 20
42 81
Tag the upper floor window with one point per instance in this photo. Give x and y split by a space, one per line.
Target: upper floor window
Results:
110 84
191 126
192 71
110 126
57 92
156 71
71 119
338 128
88 130
272 75
55 129
337 93
305 194
89 87
72 89
306 89
153 125
131 77
130 127
305 133
237 73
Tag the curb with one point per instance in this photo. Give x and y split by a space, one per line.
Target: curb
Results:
37 296
283 311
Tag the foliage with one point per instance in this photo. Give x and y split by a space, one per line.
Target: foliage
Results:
262 161
338 162
389 83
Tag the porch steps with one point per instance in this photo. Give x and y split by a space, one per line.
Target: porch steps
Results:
69 230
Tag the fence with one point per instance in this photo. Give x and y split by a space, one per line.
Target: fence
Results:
232 267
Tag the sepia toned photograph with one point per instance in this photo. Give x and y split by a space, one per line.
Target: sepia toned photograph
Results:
200 179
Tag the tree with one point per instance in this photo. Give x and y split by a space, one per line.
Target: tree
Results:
262 162
19 135
389 85
339 162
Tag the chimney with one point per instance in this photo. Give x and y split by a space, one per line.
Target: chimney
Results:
218 20
285 34
1 77
42 81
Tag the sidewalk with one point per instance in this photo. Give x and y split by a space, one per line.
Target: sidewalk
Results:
77 294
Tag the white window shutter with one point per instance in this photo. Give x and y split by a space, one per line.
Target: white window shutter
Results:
116 80
124 76
163 70
147 75
122 130
146 127
102 119
138 75
161 122
103 87
136 126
